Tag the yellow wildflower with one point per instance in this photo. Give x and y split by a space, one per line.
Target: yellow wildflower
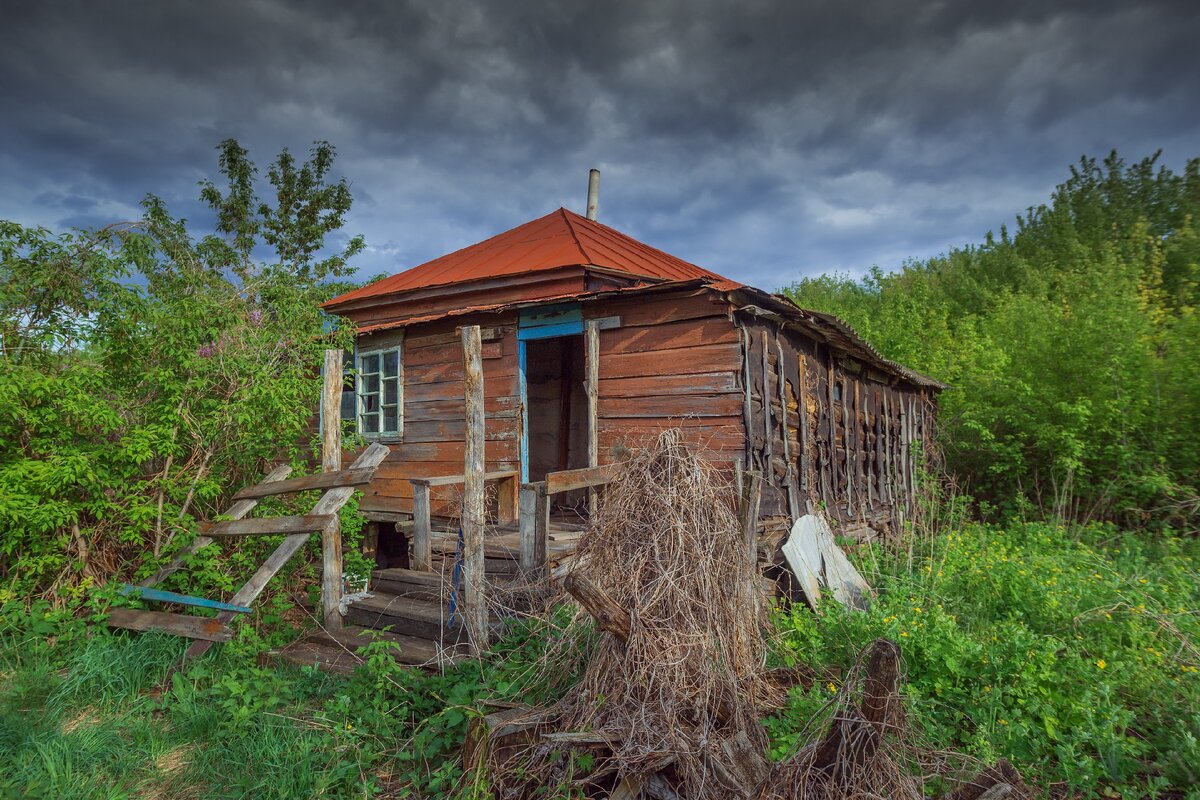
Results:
1102 663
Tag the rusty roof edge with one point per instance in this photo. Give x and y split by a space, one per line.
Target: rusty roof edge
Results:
789 308
518 304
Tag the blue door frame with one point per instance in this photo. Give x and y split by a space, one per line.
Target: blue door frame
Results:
543 322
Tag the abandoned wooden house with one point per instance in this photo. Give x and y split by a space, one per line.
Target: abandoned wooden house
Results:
591 341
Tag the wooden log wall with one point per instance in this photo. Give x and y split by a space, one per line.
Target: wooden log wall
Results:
674 361
434 437
827 430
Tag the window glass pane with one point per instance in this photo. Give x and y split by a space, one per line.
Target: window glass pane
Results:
348 405
391 361
389 419
390 392
370 402
370 383
370 423
370 363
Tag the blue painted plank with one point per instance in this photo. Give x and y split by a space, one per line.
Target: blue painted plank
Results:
550 331
170 597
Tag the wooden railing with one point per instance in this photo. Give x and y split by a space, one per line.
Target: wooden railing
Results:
422 547
534 513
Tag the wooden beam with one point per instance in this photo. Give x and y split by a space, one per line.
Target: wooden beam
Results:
747 408
570 479
591 333
331 462
473 519
208 629
330 503
268 526
804 462
237 510
748 502
768 445
789 468
422 543
158 595
321 480
534 526
454 480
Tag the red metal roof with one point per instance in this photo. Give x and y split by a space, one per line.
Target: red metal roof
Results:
559 239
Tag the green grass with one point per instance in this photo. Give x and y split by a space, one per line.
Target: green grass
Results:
90 714
1070 651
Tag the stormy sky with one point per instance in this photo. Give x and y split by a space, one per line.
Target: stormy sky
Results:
763 140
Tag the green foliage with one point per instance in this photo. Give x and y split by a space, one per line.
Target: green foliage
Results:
1071 346
146 375
1070 651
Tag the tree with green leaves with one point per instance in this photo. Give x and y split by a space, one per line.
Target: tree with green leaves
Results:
147 373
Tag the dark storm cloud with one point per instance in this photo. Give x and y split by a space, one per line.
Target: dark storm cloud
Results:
763 140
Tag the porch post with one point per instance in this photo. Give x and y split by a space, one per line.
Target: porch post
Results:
331 461
473 491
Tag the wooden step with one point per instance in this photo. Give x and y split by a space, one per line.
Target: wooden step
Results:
207 628
422 619
407 616
325 657
412 651
410 583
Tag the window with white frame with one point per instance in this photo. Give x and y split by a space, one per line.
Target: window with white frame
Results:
380 392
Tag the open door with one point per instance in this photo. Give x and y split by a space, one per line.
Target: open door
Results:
554 433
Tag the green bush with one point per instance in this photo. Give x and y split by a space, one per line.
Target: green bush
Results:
1069 650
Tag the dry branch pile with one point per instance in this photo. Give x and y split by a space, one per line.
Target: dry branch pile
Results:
670 701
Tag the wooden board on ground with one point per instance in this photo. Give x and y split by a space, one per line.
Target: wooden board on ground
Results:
205 628
811 549
802 550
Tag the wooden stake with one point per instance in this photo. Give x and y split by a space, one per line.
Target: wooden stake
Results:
331 461
591 385
473 491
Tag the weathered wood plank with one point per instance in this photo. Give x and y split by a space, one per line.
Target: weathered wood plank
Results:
669 336
679 361
207 629
591 385
268 526
331 463
454 480
571 479
696 405
473 519
321 480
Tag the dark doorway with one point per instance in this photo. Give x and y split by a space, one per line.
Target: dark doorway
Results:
391 547
557 407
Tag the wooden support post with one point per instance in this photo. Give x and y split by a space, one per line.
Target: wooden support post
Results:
507 490
768 470
331 461
473 519
747 408
422 543
748 504
803 461
789 478
591 384
832 471
534 527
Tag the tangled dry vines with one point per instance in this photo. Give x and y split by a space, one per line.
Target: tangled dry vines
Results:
670 701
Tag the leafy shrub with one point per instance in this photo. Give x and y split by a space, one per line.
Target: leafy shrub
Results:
1069 650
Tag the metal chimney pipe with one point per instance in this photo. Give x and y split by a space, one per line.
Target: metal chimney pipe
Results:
593 193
